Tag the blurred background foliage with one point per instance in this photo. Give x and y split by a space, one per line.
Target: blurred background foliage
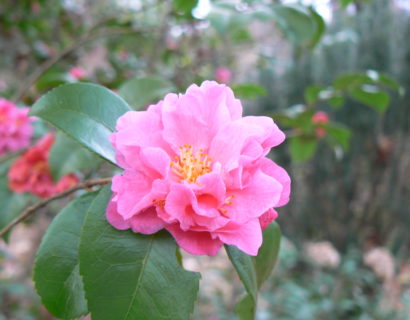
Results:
287 59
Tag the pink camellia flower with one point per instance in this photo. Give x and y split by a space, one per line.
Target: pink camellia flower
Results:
320 117
31 172
223 75
15 127
194 166
77 73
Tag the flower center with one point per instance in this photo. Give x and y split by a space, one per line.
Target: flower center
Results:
189 166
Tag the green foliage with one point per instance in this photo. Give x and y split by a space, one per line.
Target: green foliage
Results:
67 156
268 253
132 276
85 112
56 270
295 22
139 92
248 91
253 271
302 148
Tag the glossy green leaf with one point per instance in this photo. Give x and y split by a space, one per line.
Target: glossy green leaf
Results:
56 269
296 23
86 112
50 80
320 27
372 97
139 92
244 266
268 253
302 148
248 91
67 156
253 271
132 276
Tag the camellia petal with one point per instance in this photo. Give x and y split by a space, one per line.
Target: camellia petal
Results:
195 242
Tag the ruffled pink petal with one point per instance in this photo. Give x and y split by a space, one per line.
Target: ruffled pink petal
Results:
147 222
116 220
195 242
133 191
242 137
195 117
156 161
247 237
210 190
261 193
136 130
280 174
178 205
182 204
267 218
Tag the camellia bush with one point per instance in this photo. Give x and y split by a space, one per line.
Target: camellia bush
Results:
190 172
134 183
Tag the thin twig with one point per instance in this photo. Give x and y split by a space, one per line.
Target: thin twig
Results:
30 210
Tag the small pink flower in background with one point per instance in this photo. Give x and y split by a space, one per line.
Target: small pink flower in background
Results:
78 73
15 127
31 172
194 166
320 117
223 75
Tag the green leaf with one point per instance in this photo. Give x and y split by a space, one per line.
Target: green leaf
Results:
248 91
50 80
372 97
297 24
56 269
319 29
351 80
246 308
185 6
302 148
132 276
339 133
312 94
244 266
67 156
253 271
86 112
139 92
336 101
268 253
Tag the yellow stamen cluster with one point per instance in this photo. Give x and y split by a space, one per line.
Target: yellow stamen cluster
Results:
190 165
228 201
159 203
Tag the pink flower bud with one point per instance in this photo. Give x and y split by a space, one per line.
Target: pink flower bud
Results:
319 118
223 75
